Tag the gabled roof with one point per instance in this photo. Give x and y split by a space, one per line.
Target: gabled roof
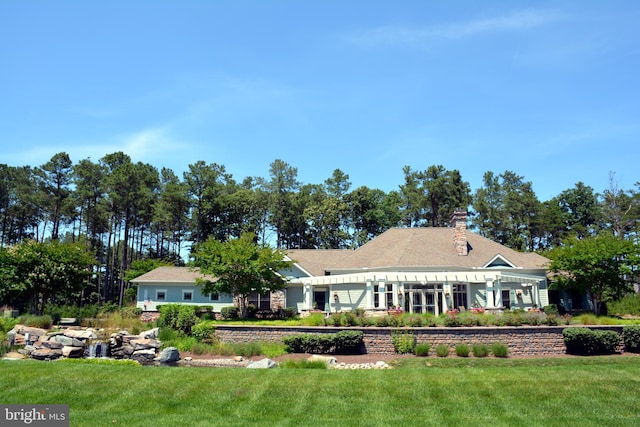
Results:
171 275
316 261
428 248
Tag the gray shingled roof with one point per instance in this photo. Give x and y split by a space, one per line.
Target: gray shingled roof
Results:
410 248
171 274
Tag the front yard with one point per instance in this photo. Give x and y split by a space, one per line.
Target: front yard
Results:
590 391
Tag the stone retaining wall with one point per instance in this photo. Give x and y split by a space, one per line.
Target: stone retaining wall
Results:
521 340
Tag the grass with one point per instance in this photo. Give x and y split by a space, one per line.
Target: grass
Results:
590 391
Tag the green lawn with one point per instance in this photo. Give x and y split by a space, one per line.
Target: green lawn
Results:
592 391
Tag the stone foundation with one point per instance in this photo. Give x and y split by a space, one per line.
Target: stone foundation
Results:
521 340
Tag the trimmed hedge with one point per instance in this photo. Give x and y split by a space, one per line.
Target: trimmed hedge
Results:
585 341
631 337
343 342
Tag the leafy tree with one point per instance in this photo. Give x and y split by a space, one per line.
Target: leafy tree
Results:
582 210
505 209
44 272
372 212
602 266
240 266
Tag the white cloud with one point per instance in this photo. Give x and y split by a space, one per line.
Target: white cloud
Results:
398 35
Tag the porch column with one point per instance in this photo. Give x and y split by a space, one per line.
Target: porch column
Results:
489 298
369 294
498 292
307 296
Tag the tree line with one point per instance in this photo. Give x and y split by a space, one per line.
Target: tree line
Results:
123 211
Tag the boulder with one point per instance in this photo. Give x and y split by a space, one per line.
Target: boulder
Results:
67 341
169 355
151 334
54 345
46 354
262 364
81 334
145 344
72 352
144 357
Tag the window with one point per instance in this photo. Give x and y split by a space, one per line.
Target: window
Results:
460 297
187 295
260 301
161 295
389 293
506 298
376 296
214 297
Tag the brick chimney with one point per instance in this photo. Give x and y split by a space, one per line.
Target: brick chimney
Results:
459 225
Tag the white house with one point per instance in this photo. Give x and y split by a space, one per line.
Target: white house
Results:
433 269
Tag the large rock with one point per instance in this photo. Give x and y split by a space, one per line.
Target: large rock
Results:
169 355
144 357
67 341
48 344
151 334
46 354
81 334
72 352
262 364
145 344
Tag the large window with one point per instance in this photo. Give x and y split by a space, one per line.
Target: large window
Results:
260 301
460 297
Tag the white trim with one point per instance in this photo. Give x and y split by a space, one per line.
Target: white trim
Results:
157 298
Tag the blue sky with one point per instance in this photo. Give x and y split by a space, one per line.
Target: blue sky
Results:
549 90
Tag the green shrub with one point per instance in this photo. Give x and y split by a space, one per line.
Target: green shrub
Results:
551 320
585 341
462 350
551 309
43 322
303 364
499 350
314 319
415 321
631 336
343 342
451 320
403 342
422 349
480 350
203 331
229 312
382 321
178 317
247 349
629 304
442 350
348 342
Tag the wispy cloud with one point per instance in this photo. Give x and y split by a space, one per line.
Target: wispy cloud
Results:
399 35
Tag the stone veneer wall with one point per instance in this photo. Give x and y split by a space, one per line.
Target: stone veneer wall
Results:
521 340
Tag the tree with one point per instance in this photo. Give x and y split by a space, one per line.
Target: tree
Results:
506 207
602 266
45 272
240 267
55 180
283 182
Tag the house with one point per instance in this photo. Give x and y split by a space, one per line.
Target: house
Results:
434 269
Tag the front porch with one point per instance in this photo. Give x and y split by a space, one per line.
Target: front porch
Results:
421 292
